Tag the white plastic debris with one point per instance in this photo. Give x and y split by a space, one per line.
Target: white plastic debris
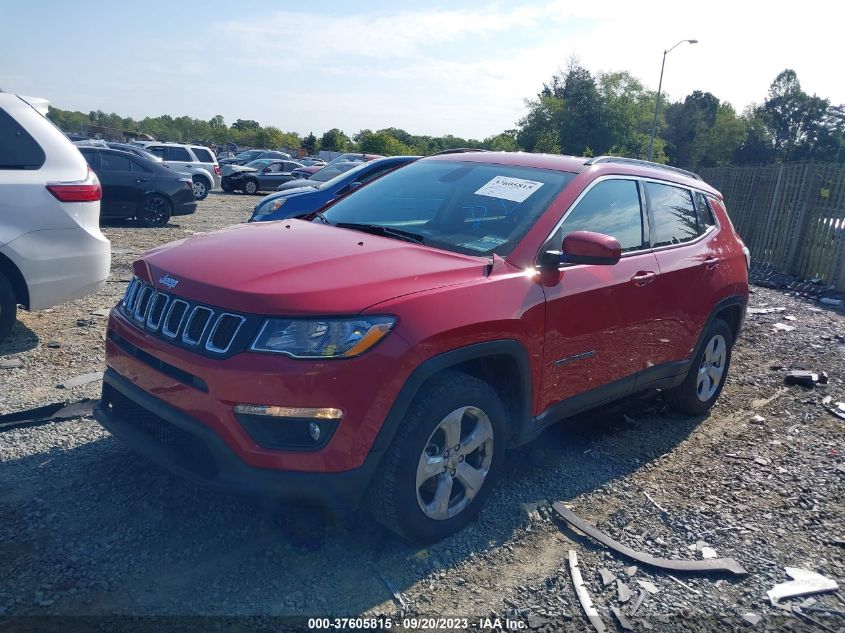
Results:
804 582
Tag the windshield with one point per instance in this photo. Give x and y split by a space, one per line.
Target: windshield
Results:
250 155
466 207
329 172
259 164
354 158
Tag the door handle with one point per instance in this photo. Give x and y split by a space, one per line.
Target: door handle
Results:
711 262
643 277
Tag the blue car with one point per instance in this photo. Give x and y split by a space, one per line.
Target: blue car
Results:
295 203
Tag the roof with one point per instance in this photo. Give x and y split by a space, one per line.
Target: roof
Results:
578 164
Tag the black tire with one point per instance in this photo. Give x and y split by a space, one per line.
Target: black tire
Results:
690 396
8 307
201 187
394 497
155 211
227 187
250 186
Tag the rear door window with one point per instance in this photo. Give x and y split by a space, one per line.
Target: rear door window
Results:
18 150
675 219
177 153
137 166
113 162
611 207
203 155
157 151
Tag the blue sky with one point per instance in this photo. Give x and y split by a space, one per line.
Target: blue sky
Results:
461 68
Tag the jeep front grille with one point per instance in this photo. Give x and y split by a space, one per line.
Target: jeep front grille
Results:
205 329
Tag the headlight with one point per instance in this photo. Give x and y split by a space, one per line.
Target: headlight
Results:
270 207
322 338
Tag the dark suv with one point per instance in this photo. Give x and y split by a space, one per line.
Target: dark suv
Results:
392 346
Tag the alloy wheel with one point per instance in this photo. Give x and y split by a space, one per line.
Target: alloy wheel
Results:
712 368
199 189
455 463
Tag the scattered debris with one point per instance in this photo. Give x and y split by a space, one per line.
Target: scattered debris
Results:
607 576
789 317
655 504
12 363
530 511
784 327
716 564
53 344
838 410
708 553
104 312
631 571
624 622
683 584
752 618
764 310
85 322
648 586
397 595
757 419
804 582
583 596
623 592
805 378
829 301
48 413
78 381
639 602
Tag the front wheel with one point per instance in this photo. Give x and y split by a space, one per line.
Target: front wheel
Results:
707 374
439 469
250 187
8 307
155 211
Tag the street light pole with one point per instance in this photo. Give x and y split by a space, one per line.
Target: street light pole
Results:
657 100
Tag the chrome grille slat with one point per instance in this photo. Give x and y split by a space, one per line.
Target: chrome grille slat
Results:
180 321
196 313
166 328
230 338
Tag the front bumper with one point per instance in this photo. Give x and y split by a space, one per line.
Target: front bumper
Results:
193 451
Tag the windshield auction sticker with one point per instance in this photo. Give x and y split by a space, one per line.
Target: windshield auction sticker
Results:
507 188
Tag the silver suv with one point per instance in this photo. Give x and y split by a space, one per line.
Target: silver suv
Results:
197 161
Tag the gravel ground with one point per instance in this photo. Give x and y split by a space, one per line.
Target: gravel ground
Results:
89 528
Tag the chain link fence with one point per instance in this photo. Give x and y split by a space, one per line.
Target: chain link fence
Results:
791 216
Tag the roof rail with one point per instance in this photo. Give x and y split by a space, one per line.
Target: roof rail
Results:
643 163
459 150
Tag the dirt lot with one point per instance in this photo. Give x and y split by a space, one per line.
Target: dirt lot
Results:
89 528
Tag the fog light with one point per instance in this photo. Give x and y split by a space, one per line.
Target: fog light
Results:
321 413
314 431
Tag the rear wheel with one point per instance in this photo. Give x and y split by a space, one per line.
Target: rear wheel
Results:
155 211
707 374
250 187
201 187
438 472
8 307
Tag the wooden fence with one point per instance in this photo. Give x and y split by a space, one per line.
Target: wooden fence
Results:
791 215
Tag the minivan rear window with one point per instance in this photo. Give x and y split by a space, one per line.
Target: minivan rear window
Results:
18 150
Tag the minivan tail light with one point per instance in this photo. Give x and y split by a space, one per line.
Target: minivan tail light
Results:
87 190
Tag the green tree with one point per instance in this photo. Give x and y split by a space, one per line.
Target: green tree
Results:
309 143
334 141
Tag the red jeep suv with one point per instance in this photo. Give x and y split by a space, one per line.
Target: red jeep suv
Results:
393 346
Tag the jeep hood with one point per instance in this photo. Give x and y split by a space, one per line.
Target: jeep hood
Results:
291 267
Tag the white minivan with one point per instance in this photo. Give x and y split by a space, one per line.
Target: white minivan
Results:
51 247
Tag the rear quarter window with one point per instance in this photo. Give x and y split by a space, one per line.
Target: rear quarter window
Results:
18 150
203 155
177 153
705 213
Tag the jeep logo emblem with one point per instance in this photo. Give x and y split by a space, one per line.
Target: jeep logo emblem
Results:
168 281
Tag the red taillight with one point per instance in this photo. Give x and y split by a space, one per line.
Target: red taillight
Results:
217 169
88 190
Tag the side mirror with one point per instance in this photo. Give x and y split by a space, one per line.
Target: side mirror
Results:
584 247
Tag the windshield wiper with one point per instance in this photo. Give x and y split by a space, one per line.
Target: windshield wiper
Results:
319 214
388 231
